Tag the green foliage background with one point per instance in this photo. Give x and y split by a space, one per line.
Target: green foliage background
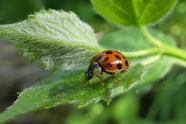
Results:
160 101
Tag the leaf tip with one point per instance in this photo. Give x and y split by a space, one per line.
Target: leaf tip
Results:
30 17
43 11
50 10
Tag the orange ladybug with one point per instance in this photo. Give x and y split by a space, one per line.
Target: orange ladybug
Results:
108 61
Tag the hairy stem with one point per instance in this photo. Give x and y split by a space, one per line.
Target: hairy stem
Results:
173 51
140 53
151 39
165 48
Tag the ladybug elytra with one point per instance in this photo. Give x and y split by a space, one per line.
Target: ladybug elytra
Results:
109 61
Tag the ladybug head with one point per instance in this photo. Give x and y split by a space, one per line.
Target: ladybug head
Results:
94 69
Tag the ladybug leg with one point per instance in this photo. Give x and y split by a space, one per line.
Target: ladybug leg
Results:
88 82
101 77
123 71
117 78
112 73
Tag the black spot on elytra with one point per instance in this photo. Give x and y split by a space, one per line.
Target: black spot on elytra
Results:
119 66
109 52
105 59
126 63
117 57
109 64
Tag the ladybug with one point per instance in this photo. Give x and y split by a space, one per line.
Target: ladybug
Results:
108 61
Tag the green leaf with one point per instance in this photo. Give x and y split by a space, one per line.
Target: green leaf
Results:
133 12
56 39
67 87
131 39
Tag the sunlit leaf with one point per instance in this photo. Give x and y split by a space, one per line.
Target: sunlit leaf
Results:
133 12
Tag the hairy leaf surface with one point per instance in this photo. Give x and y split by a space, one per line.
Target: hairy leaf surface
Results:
56 39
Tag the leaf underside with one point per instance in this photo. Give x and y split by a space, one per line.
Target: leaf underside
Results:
56 39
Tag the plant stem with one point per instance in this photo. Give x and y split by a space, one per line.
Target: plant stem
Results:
165 48
151 39
146 52
173 51
179 62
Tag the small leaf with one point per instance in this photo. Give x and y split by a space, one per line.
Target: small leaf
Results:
56 39
67 87
133 12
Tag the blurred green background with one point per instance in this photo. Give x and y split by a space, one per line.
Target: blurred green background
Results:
164 101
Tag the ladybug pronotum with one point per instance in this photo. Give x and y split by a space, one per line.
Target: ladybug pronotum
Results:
109 61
